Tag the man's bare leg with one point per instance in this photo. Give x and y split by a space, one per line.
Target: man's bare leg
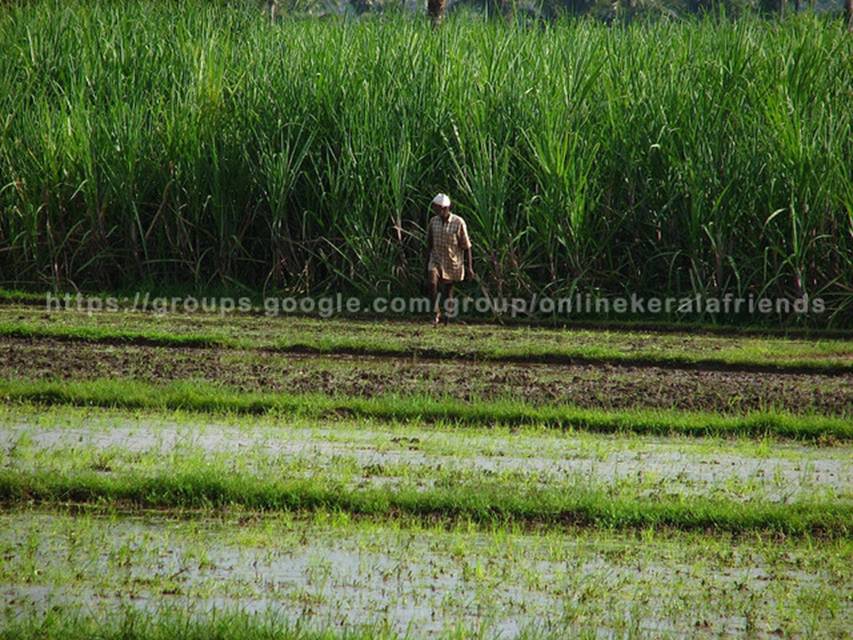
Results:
447 299
433 282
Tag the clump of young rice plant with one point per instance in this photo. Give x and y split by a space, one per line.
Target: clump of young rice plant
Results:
202 144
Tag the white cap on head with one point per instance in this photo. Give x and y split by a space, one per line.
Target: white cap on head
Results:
441 200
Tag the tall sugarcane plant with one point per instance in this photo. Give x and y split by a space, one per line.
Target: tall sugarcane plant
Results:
202 144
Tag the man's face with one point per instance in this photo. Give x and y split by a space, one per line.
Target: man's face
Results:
444 212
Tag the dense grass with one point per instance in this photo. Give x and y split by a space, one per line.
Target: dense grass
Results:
196 142
197 396
131 624
212 486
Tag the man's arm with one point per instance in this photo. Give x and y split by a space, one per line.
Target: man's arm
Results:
465 243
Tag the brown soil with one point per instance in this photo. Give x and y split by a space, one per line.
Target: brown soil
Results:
585 385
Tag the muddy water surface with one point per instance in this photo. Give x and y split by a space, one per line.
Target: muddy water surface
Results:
327 572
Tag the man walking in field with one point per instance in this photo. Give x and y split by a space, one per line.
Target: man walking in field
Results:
435 9
448 253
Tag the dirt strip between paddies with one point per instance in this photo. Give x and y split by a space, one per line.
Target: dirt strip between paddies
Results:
586 386
467 343
157 575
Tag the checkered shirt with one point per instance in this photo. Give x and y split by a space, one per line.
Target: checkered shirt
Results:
449 242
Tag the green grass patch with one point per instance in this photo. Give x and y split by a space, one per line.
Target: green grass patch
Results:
211 486
131 624
198 396
129 336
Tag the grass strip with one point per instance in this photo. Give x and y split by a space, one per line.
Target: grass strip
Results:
229 623
119 336
389 346
171 624
212 486
10 299
204 397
